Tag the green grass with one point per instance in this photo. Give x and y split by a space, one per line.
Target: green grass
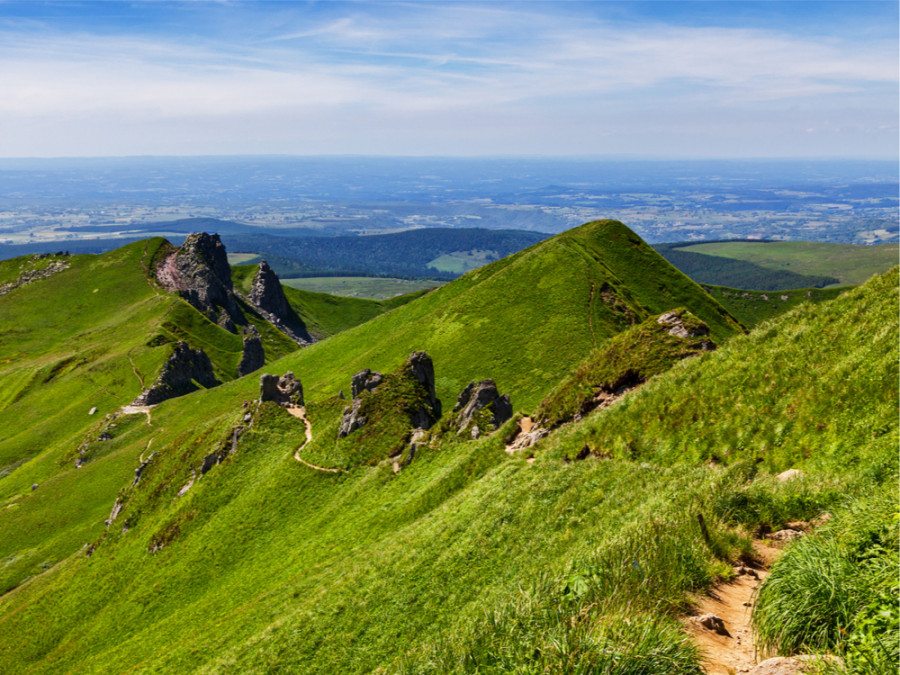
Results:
626 360
851 264
469 560
323 314
243 258
373 288
750 399
753 307
837 590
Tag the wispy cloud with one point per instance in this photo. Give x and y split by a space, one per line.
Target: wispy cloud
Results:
483 62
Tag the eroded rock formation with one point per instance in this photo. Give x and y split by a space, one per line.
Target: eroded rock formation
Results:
475 398
199 271
365 380
253 356
284 390
178 376
267 296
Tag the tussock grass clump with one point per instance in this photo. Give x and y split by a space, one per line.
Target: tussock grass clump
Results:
837 590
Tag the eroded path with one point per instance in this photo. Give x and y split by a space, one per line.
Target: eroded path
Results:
300 413
734 652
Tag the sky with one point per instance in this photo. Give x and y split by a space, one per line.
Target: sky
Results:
669 79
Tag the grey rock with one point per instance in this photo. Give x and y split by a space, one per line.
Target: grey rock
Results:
678 328
198 270
352 419
34 487
266 292
785 536
478 396
284 390
92 411
267 295
420 366
178 375
364 380
253 356
104 437
711 622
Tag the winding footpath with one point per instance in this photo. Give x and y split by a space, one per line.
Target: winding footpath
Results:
300 413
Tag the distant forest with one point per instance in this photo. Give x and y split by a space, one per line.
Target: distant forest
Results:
404 254
711 269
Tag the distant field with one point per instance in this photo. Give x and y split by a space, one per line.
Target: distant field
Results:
243 258
375 288
460 262
849 263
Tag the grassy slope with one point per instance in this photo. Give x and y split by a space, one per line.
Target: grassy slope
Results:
469 560
850 263
753 307
524 321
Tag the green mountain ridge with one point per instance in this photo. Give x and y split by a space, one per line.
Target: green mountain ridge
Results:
469 558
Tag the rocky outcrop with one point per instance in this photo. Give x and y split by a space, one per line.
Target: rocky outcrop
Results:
420 367
352 419
253 356
365 380
181 373
678 327
267 296
475 398
198 270
266 292
28 276
285 390
423 409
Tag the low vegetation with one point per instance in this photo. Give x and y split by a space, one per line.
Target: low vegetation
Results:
469 559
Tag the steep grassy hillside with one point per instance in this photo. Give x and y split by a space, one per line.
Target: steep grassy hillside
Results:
95 335
524 321
469 560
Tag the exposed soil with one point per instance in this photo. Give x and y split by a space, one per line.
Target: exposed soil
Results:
732 602
300 413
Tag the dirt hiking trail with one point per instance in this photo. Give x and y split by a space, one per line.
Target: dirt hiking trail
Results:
734 652
300 413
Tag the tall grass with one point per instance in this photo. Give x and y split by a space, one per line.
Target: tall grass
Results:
837 590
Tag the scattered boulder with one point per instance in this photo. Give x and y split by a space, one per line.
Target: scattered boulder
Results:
364 380
790 474
423 412
92 411
253 356
285 390
711 622
785 536
481 396
198 270
34 487
178 376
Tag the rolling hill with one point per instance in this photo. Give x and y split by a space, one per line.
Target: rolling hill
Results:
229 550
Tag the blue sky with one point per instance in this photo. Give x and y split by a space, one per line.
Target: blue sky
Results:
647 79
